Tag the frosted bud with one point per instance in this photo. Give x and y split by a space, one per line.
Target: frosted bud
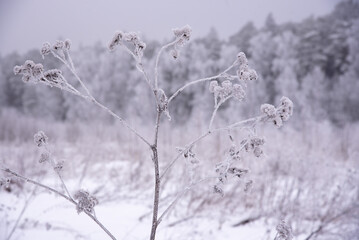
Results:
46 49
29 64
58 166
183 33
58 45
227 86
268 110
238 92
242 59
287 107
116 40
85 202
278 121
174 53
67 44
40 138
44 157
253 74
26 78
212 86
38 70
219 92
130 37
17 70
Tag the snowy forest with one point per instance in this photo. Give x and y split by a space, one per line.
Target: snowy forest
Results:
307 175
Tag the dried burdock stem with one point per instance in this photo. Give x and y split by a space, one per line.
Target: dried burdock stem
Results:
226 90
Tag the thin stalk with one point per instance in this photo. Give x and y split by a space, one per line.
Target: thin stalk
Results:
156 195
158 59
157 178
215 111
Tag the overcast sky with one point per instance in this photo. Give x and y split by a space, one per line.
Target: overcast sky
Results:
26 24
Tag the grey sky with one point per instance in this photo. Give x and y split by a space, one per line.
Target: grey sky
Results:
26 24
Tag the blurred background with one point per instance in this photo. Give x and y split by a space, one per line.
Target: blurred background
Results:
308 174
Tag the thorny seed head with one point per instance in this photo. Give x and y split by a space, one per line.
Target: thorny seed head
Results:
284 231
59 45
282 113
58 166
85 202
116 40
212 86
268 110
242 59
238 92
46 49
44 157
67 44
254 144
40 139
183 34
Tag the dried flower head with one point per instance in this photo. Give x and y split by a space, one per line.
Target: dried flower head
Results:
282 113
183 34
17 70
268 110
40 139
59 45
46 49
284 231
252 74
238 92
85 202
116 40
44 157
58 166
212 86
242 59
67 44
253 144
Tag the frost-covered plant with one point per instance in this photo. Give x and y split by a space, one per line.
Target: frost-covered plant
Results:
230 83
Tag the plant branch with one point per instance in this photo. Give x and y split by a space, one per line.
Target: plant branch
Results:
254 120
158 59
7 170
200 80
215 111
89 97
